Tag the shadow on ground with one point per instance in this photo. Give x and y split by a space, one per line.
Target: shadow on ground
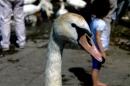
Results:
82 75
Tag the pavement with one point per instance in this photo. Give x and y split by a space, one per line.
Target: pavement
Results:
25 67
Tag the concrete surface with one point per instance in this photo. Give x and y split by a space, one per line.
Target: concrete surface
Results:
25 67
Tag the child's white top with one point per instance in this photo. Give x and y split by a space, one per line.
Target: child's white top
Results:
99 24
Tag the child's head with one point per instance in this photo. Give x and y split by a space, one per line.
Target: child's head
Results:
100 8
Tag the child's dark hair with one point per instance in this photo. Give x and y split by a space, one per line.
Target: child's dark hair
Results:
100 8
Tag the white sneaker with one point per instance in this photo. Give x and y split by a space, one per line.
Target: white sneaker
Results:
5 49
21 47
125 18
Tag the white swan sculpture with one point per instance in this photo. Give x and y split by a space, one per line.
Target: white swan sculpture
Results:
67 27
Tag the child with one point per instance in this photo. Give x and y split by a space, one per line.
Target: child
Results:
100 9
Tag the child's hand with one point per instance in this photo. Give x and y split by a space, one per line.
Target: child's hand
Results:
103 57
103 54
103 60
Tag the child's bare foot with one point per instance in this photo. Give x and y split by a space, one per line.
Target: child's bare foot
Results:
101 84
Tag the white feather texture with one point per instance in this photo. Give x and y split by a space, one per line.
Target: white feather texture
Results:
29 1
49 5
77 3
30 9
61 32
62 9
48 8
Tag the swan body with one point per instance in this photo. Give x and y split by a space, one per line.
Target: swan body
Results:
68 27
49 5
77 3
62 9
29 13
31 19
30 9
48 8
29 1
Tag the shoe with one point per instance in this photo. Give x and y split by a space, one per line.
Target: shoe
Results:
1 53
125 18
17 45
5 49
21 47
13 40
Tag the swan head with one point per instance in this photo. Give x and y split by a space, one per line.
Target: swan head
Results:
45 7
73 28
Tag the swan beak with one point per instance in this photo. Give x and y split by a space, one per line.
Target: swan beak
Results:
90 47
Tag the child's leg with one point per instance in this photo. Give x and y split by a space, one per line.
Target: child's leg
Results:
95 72
95 77
101 84
95 80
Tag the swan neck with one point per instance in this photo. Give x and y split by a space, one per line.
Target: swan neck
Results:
39 6
47 11
53 62
46 8
54 45
62 5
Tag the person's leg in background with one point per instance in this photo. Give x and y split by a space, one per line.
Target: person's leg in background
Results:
108 18
19 21
5 13
126 15
129 9
129 5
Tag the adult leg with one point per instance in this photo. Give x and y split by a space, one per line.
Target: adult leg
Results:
108 18
5 13
19 20
125 16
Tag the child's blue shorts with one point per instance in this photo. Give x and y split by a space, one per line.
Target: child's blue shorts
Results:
96 64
